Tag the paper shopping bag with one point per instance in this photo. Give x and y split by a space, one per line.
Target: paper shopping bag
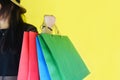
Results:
23 65
28 66
33 61
43 70
62 59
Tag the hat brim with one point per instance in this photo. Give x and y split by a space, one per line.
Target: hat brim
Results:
23 10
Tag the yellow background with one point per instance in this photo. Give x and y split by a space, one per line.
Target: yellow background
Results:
92 25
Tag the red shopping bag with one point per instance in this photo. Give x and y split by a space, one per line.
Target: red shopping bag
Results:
28 66
23 65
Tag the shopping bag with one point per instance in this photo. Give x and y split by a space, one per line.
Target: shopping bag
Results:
43 70
62 59
33 61
28 66
23 64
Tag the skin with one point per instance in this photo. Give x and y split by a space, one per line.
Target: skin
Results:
4 22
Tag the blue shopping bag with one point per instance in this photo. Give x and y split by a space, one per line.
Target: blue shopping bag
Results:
43 70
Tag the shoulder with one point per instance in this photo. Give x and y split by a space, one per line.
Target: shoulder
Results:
29 27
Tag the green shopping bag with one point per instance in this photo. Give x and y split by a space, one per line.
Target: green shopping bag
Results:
62 59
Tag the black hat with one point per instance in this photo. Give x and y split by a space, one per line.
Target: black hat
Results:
17 2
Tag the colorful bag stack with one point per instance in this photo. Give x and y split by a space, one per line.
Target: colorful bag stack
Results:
50 57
